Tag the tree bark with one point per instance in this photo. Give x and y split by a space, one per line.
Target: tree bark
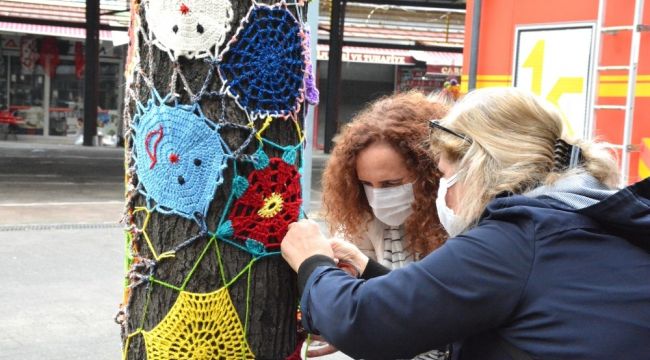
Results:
273 295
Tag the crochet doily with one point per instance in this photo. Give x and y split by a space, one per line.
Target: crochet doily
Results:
179 157
269 204
189 28
197 327
263 67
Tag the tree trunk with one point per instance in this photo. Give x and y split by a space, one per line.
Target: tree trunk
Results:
153 234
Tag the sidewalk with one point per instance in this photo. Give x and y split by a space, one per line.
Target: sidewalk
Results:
61 291
62 249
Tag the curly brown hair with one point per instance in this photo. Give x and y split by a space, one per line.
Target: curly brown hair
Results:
400 120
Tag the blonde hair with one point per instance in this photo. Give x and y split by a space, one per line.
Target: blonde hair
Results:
400 120
513 136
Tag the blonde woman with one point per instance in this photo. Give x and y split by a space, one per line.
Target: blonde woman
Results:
547 260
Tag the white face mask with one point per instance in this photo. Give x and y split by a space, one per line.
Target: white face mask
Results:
452 223
391 205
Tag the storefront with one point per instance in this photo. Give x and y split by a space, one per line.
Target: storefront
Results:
369 73
41 82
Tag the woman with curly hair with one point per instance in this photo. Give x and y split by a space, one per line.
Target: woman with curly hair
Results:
378 186
379 181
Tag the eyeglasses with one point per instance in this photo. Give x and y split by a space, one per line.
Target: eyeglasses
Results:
435 124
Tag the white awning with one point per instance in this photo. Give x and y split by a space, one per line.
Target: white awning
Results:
394 56
63 32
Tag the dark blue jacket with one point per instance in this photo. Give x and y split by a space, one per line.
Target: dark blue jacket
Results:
553 281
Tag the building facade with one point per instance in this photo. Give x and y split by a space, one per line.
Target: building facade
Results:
42 66
386 49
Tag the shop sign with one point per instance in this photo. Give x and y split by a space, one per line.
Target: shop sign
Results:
28 54
444 70
555 63
412 78
9 42
359 57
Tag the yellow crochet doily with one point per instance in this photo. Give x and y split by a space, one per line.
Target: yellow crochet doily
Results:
199 327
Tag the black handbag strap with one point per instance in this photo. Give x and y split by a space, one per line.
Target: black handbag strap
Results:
515 353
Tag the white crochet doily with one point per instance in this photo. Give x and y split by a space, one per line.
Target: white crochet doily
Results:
188 28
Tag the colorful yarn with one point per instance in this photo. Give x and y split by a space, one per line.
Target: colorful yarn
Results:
189 28
261 160
225 230
143 231
179 157
128 255
239 186
311 91
290 156
199 326
152 151
255 247
263 67
272 206
271 202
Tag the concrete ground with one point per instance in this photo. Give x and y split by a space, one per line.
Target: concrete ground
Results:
60 292
61 249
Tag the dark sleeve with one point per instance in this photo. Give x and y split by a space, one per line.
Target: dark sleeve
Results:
308 266
470 284
374 269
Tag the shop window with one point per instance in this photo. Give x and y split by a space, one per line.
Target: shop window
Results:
26 95
109 78
66 100
410 78
26 87
4 81
22 92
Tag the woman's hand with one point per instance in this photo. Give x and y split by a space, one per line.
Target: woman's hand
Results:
346 252
303 240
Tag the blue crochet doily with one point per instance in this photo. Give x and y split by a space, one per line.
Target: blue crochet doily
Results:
263 67
179 157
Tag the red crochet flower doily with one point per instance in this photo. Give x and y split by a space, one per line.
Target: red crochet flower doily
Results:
271 202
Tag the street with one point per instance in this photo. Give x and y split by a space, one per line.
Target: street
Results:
56 184
61 251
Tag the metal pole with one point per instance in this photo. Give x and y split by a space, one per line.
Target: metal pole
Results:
8 82
92 69
631 92
592 94
334 72
312 22
473 52
46 103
